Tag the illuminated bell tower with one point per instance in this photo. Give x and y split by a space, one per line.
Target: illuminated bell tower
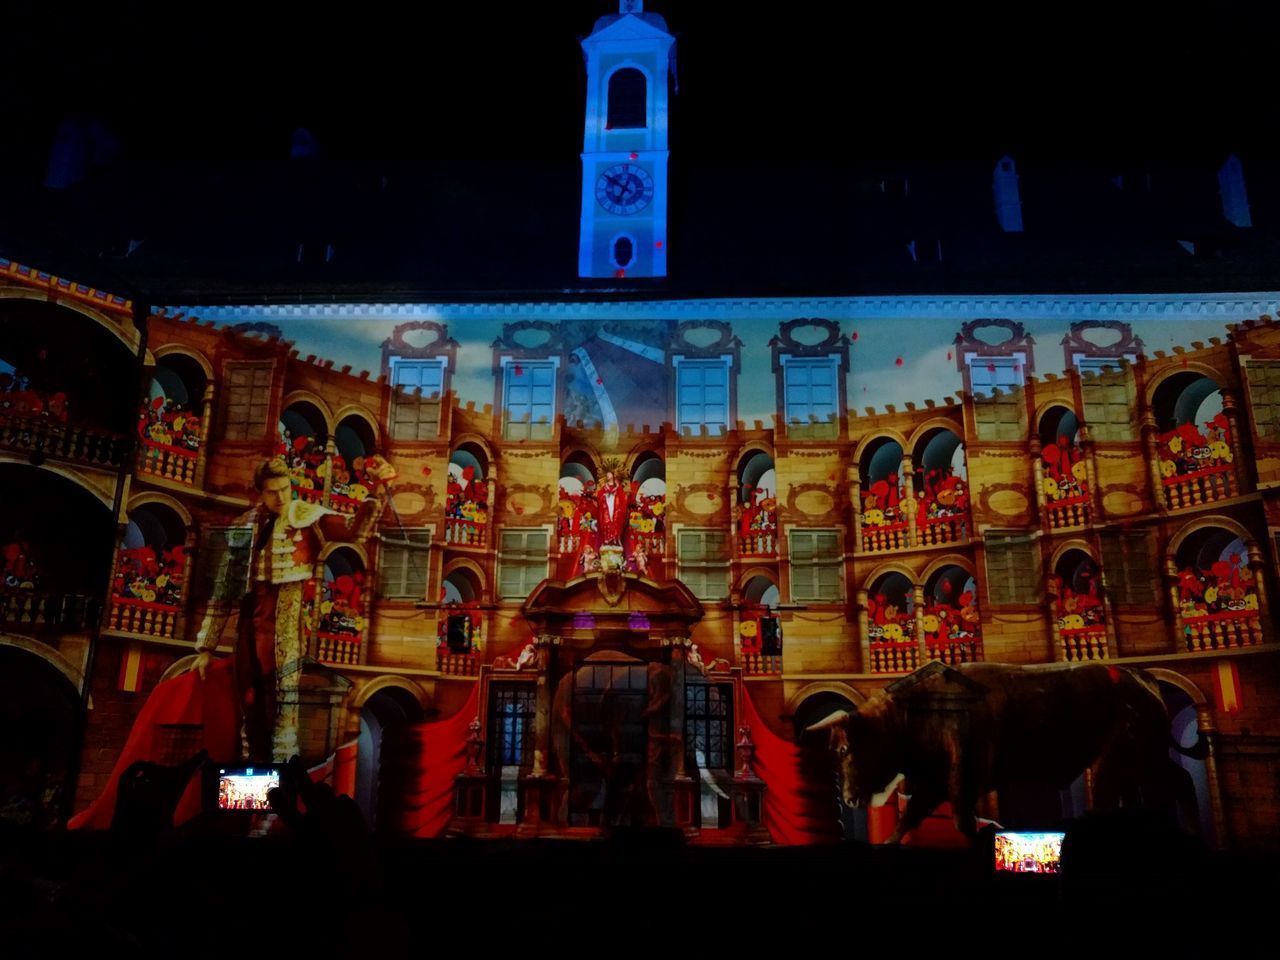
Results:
624 149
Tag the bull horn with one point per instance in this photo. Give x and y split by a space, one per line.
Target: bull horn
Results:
837 719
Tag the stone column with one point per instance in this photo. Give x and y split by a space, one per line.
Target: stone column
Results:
1208 731
1151 450
206 431
908 504
330 448
1037 470
542 704
917 599
1171 586
1258 564
1091 472
1231 410
864 630
857 515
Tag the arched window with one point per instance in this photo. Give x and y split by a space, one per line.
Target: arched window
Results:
628 100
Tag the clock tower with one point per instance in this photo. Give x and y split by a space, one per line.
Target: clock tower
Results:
624 151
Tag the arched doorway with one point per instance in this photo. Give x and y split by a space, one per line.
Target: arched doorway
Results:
1064 475
384 722
817 765
884 522
1195 447
39 711
758 500
302 439
466 507
942 488
952 624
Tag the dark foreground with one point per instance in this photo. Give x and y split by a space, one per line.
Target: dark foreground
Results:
202 892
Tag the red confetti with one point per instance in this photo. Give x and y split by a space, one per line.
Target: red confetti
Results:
518 508
898 362
658 244
854 337
948 354
991 368
635 156
519 370
426 471
619 273
710 495
946 586
599 382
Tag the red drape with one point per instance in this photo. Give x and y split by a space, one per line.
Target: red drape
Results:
798 808
434 755
186 699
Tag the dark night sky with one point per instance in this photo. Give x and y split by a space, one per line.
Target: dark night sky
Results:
373 79
474 115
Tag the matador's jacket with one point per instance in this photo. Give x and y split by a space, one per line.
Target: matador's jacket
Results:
274 618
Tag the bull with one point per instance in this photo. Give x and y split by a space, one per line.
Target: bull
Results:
957 733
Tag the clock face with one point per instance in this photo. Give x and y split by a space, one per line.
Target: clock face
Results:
624 188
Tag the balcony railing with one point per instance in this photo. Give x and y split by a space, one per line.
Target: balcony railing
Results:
655 544
1223 631
1200 486
762 665
889 536
763 544
1084 643
47 609
457 664
956 651
1068 512
465 533
945 529
177 464
340 648
62 440
129 615
894 656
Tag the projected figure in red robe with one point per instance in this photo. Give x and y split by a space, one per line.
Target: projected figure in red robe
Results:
612 500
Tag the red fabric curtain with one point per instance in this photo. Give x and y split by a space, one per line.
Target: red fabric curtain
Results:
799 807
208 704
423 779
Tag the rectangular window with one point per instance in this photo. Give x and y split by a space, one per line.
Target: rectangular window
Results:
704 562
416 415
248 400
511 712
1107 399
987 373
702 395
522 562
528 399
1013 569
1264 396
1128 571
816 566
708 725
402 564
810 397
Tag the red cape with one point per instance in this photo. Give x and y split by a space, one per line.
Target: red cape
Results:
186 699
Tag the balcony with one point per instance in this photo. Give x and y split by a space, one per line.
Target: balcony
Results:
894 656
64 441
166 462
956 650
1230 629
460 532
1197 466
1068 512
1084 643
947 528
129 615
881 537
46 609
338 648
761 665
457 664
